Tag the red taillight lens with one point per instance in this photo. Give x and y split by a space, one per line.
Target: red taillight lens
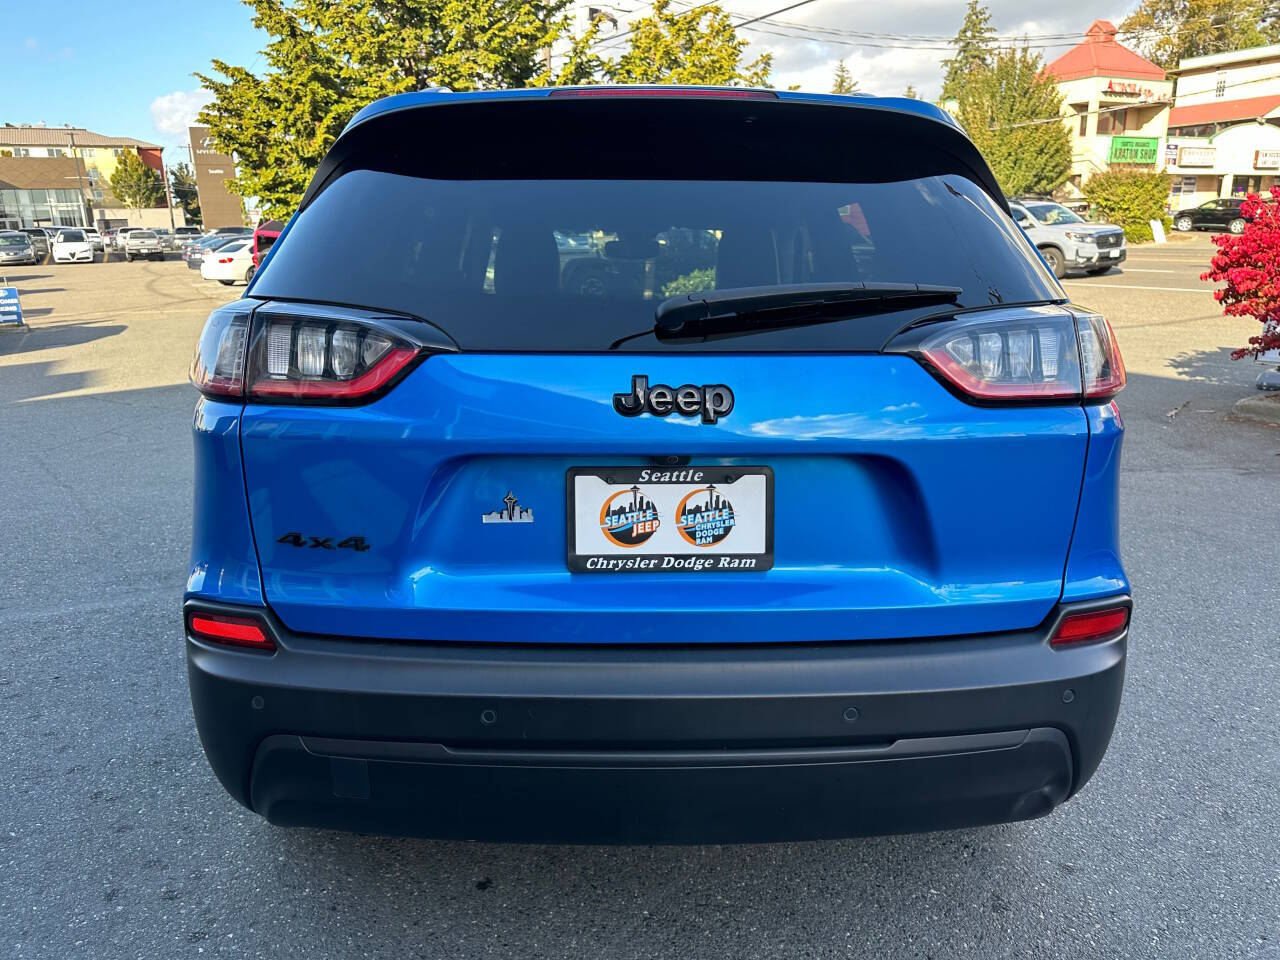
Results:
217 369
235 631
224 259
1090 626
1100 359
323 357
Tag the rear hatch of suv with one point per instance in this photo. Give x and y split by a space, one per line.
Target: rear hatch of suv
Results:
546 465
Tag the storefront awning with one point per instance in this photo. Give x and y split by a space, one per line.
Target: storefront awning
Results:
1223 111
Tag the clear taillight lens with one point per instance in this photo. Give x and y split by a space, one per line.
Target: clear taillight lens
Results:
320 358
1020 355
217 369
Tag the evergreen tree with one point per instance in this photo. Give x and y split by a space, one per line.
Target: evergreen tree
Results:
843 82
182 183
910 93
1010 110
975 47
135 184
697 46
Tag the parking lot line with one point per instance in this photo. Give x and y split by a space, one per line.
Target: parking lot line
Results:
1144 270
1134 286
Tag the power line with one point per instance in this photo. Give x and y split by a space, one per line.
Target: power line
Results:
711 3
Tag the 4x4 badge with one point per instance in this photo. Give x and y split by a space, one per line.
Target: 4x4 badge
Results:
711 400
514 513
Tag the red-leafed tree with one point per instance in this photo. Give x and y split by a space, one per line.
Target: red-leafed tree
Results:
1249 265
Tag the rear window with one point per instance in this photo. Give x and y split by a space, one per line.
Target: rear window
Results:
141 235
503 262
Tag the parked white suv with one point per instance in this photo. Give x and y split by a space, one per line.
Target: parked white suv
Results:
1067 242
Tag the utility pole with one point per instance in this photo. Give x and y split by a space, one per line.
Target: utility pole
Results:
168 194
84 210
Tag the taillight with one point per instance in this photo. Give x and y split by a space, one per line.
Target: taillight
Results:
224 259
1020 355
231 630
1101 363
298 353
1090 626
217 369
321 357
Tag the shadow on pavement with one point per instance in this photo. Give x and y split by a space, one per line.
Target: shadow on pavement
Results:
30 381
1213 366
58 335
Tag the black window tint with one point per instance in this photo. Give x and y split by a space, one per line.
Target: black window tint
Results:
576 264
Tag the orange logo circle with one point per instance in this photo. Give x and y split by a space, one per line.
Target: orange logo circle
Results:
629 523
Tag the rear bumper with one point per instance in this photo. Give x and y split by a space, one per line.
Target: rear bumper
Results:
610 745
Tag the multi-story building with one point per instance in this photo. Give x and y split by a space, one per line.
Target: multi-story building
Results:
1115 103
1224 128
44 169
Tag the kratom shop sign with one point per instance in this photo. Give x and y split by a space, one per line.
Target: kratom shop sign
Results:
1134 150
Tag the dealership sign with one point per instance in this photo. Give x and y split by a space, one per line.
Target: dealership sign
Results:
10 307
1197 156
1134 150
219 207
1125 88
1266 159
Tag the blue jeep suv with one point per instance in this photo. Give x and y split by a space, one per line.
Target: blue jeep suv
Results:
779 504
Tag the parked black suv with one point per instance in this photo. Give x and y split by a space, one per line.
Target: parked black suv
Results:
1220 214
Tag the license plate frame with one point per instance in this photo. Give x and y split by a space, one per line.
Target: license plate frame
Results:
672 551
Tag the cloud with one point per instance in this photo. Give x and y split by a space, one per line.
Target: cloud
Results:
172 113
887 45
31 43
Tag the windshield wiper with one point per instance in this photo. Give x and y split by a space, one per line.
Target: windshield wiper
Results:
713 313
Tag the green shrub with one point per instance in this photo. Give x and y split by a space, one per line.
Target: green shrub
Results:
1130 199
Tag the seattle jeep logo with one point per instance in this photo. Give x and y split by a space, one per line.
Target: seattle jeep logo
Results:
711 400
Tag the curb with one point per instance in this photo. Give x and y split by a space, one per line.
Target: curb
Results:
1259 409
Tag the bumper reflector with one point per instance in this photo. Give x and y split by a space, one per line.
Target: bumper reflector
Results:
235 631
1090 626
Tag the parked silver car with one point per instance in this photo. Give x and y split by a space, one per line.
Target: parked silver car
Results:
142 243
1065 240
39 239
16 248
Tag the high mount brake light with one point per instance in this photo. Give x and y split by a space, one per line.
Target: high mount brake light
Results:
309 356
1021 355
671 92
1090 626
229 630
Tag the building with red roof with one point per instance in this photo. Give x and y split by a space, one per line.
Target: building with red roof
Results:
1115 102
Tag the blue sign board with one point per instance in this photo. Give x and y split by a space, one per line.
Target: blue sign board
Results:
10 307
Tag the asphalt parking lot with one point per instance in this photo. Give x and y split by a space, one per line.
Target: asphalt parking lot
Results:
116 841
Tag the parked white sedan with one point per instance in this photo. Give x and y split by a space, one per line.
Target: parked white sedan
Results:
230 263
72 246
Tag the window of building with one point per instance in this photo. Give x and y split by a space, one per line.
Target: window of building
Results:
1111 121
1220 85
21 152
1083 110
117 151
57 152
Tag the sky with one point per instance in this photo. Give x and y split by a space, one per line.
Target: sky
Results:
76 65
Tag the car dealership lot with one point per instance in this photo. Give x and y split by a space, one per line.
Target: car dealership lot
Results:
115 841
